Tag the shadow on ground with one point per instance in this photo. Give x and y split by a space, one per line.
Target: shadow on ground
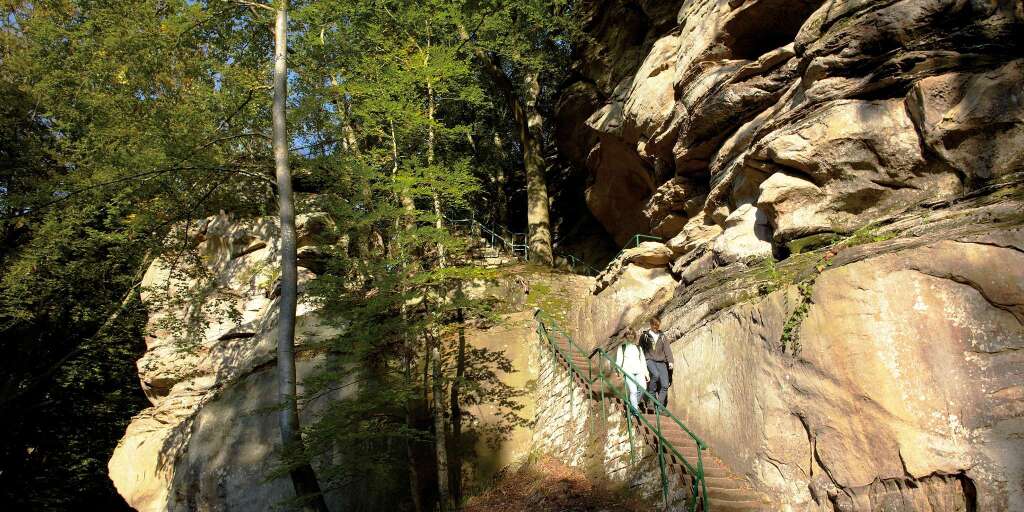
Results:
548 485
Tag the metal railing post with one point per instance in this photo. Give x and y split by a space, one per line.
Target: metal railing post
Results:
604 410
629 429
661 459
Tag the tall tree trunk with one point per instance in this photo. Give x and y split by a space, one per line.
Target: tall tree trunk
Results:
431 137
365 238
407 203
438 214
529 131
460 372
537 206
303 478
414 478
444 496
500 182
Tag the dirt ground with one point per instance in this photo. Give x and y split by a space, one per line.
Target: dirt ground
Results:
550 486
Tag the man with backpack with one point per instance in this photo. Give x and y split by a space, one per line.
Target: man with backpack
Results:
658 353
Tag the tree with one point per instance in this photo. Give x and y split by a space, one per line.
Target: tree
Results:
529 133
303 478
515 42
416 105
126 122
117 132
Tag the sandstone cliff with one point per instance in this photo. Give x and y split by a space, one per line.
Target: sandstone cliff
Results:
822 116
883 372
210 439
875 149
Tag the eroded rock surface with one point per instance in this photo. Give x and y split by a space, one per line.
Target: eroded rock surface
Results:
211 437
882 373
827 115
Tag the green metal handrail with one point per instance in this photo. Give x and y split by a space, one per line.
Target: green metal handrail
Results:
510 241
575 263
660 411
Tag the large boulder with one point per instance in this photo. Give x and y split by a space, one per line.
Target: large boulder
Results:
746 237
848 163
698 230
864 108
623 302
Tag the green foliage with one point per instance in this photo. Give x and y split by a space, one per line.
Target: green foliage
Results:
812 242
867 234
114 129
417 126
772 278
124 123
790 340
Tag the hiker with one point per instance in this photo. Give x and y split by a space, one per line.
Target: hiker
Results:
658 354
631 359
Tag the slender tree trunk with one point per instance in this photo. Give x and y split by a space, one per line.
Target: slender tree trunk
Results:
438 214
444 496
431 137
414 478
460 371
365 237
407 203
500 182
302 475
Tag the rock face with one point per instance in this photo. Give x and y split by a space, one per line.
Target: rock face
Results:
882 372
823 115
211 438
209 441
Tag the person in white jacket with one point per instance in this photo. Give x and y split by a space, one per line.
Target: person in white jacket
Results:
631 359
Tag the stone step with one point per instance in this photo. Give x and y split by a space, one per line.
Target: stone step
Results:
737 506
724 482
581 362
709 471
716 494
598 386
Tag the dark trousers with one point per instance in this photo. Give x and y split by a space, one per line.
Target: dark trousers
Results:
658 385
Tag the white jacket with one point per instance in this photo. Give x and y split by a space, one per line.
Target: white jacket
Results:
632 360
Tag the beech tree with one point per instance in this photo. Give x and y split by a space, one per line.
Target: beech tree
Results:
516 43
303 478
120 120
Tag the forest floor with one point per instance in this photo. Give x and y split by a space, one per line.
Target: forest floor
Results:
550 486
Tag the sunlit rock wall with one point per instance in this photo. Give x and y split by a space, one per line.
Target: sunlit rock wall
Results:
820 115
210 440
882 373
885 372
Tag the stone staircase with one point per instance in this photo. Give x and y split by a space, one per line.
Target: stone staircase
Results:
726 491
489 256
